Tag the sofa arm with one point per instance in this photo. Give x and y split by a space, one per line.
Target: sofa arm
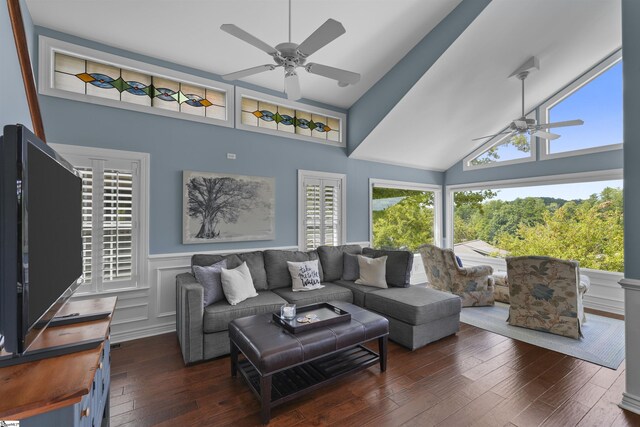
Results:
189 315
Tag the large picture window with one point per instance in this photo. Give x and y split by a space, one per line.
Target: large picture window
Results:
404 215
113 216
574 220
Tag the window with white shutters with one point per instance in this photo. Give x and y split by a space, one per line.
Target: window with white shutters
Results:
111 213
321 209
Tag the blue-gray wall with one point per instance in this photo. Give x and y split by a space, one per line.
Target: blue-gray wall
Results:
13 101
631 103
176 145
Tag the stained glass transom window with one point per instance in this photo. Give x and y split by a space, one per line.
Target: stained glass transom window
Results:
281 118
78 75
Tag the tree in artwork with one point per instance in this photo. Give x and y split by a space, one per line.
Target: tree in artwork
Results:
213 200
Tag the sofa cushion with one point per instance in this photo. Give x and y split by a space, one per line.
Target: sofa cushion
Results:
350 267
275 264
399 264
359 291
254 260
414 305
218 315
330 292
331 259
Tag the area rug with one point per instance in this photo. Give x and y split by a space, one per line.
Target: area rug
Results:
602 344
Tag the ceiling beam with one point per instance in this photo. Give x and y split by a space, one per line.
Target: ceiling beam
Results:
378 101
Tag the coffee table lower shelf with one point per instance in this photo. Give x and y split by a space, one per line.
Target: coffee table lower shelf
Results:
293 382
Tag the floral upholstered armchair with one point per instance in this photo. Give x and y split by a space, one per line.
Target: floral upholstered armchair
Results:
546 295
473 284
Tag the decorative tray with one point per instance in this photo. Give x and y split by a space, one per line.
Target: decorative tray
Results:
324 314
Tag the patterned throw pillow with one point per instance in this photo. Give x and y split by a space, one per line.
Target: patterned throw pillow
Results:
305 275
210 279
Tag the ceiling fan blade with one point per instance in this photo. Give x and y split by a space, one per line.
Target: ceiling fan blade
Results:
292 86
249 72
342 76
492 136
561 124
325 34
238 32
545 135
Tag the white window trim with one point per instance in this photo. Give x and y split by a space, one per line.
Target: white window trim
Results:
605 175
46 70
302 174
417 186
497 140
583 80
247 93
142 204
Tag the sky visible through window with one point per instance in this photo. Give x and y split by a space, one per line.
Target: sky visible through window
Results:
573 191
599 104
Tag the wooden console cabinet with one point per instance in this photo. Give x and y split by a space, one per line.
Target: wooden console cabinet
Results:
68 390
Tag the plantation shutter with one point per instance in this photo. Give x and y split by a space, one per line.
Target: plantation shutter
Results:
87 223
322 212
109 222
117 225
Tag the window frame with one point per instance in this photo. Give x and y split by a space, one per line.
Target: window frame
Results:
417 186
259 96
302 174
580 177
80 156
497 140
573 87
46 54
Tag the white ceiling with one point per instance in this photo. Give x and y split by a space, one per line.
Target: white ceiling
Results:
468 94
379 33
465 94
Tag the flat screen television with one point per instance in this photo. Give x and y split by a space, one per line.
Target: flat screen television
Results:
40 236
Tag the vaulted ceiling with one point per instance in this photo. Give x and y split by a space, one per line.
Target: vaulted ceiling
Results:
465 94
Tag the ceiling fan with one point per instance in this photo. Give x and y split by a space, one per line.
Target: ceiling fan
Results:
524 125
291 56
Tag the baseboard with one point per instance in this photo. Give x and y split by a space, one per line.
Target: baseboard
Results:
134 334
630 403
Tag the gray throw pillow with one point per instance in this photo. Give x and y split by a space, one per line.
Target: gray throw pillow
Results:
350 269
209 278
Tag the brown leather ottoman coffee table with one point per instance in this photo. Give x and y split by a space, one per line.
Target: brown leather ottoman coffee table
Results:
280 366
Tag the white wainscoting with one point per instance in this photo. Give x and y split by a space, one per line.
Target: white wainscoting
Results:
605 293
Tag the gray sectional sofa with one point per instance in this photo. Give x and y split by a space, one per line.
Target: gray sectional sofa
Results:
417 315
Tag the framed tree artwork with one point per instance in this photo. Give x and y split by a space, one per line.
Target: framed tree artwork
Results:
227 208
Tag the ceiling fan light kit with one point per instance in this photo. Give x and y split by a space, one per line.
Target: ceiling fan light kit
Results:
291 56
523 124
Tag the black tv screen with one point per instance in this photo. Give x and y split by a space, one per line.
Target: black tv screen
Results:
54 221
40 234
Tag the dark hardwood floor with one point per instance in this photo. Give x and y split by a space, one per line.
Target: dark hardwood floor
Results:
474 378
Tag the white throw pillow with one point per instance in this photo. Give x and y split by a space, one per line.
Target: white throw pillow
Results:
372 271
237 284
305 275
